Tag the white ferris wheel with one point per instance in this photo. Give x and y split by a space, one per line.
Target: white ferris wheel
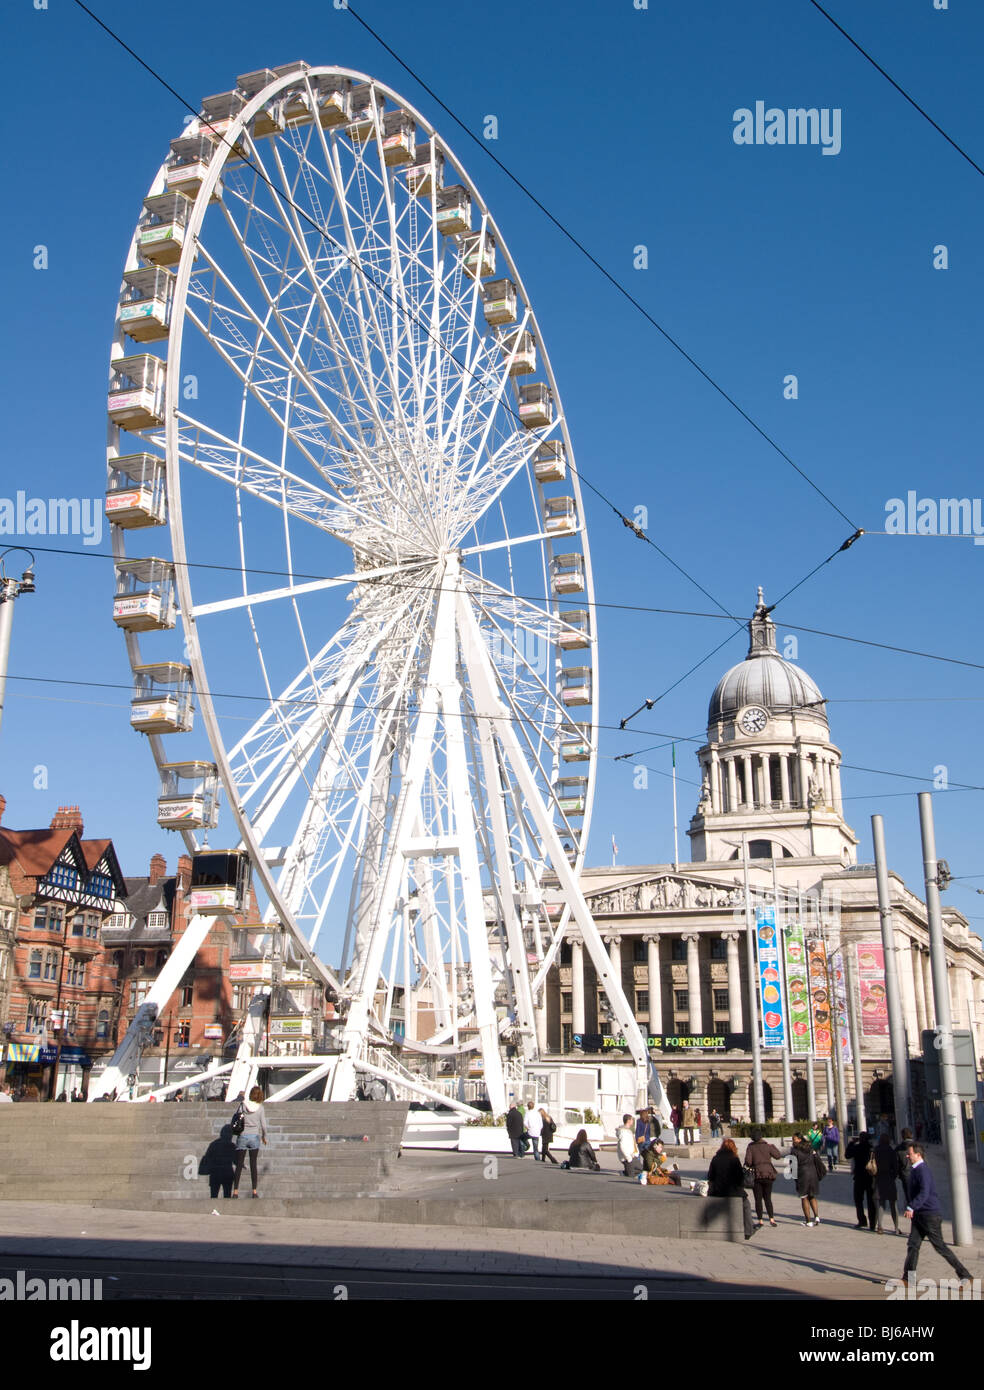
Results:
330 393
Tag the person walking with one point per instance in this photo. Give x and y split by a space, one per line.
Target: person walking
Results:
887 1163
715 1120
687 1124
758 1157
515 1129
628 1147
926 1215
546 1136
726 1178
814 1136
809 1171
860 1152
254 1132
905 1162
580 1154
698 1121
831 1144
534 1128
675 1123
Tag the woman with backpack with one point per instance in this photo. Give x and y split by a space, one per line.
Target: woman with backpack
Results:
249 1127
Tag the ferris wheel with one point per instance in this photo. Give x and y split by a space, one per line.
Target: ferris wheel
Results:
330 392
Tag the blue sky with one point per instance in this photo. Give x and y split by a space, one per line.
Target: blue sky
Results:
763 261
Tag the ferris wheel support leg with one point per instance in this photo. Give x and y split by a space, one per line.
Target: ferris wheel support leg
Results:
482 680
127 1056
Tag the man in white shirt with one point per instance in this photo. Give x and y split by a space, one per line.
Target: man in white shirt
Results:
5 1093
534 1128
627 1147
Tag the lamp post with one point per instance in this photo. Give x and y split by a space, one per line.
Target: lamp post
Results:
10 589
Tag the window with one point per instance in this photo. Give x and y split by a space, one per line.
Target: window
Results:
566 1037
100 886
719 948
565 953
72 1019
679 949
567 1003
721 999
102 1025
681 1000
48 917
139 989
642 1001
76 973
51 965
241 995
760 849
78 924
187 994
92 925
182 1035
64 876
140 959
120 921
34 966
681 1028
161 959
157 921
118 959
36 1012
720 1027
640 952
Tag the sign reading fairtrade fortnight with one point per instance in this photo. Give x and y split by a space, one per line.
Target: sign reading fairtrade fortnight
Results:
770 980
820 1006
871 989
841 1030
797 990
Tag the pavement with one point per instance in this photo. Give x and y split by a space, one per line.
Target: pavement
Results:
832 1261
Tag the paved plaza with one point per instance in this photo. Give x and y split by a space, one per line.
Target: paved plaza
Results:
832 1261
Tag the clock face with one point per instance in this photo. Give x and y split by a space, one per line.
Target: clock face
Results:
753 720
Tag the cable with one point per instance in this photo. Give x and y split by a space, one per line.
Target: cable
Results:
901 90
598 266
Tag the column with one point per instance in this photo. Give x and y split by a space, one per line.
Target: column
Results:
828 786
577 986
732 786
694 1019
927 970
919 983
804 779
910 1015
784 777
715 781
614 945
762 779
655 985
540 1022
838 799
734 981
749 788
969 1004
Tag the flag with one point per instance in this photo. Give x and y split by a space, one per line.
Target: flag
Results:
673 746
614 850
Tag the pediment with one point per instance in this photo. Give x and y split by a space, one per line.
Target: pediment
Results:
664 893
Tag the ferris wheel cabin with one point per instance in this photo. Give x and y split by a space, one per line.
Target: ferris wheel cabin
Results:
577 633
478 254
136 392
398 138
550 462
145 304
559 516
162 698
362 126
426 172
576 743
567 574
575 685
499 302
144 600
453 214
189 797
220 880
572 795
269 119
520 350
535 405
135 492
161 233
334 101
188 164
218 114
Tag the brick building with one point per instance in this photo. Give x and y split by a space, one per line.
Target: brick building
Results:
62 990
198 1020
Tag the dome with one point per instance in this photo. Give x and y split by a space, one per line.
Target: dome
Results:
764 677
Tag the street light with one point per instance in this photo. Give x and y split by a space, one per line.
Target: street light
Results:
10 589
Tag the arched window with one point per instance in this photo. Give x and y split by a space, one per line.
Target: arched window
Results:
34 966
161 958
760 849
102 1024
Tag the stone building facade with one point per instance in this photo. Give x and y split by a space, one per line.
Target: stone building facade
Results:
770 792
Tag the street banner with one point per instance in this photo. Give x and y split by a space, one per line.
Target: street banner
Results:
820 998
770 979
797 990
871 989
841 1029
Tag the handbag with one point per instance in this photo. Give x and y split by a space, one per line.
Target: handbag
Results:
871 1167
238 1122
749 1178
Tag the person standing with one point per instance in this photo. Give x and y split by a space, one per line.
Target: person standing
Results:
675 1123
546 1136
514 1128
687 1124
726 1178
758 1157
815 1137
534 1128
715 1119
628 1145
809 1167
643 1128
926 1214
887 1163
859 1150
831 1143
254 1132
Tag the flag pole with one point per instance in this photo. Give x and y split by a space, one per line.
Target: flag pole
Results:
676 850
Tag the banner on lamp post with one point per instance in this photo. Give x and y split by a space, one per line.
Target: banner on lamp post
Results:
770 978
797 991
842 1032
873 999
821 1008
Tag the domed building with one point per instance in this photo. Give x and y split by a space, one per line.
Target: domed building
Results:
769 805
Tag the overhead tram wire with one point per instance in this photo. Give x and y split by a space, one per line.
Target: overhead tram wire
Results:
357 264
626 294
900 89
